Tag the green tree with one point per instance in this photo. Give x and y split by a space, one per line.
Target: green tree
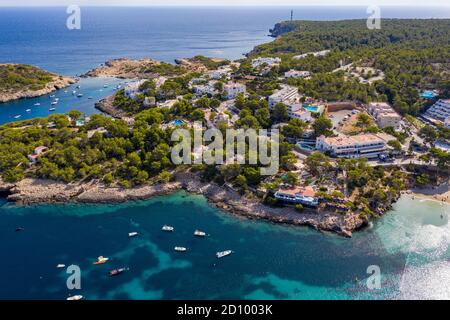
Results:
280 113
322 126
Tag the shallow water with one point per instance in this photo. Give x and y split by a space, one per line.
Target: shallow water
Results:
92 89
409 244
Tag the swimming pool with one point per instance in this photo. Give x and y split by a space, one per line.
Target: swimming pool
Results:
428 94
304 146
178 122
314 108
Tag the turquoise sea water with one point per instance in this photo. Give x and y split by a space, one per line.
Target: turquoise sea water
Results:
410 245
92 89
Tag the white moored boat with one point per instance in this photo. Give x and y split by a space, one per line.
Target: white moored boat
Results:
199 233
37 104
167 228
180 249
77 297
60 266
133 234
17 117
223 253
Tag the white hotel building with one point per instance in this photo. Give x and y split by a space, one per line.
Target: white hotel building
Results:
384 115
440 110
360 146
233 89
271 62
290 97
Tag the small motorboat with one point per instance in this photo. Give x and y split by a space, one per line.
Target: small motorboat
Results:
199 233
79 95
77 297
54 103
101 260
223 254
52 109
65 91
60 266
167 228
52 96
116 272
180 249
56 99
74 92
105 86
20 229
78 87
37 104
90 98
17 117
133 234
28 110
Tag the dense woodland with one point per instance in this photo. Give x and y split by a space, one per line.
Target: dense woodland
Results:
413 54
20 77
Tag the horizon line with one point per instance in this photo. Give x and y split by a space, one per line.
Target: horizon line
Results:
220 5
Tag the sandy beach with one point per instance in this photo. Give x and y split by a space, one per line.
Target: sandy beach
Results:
439 193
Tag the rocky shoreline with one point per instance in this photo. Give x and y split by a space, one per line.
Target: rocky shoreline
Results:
123 68
35 191
106 106
58 83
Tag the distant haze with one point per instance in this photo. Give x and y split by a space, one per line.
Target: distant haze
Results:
438 3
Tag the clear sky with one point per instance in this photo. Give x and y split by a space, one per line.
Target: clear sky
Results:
222 2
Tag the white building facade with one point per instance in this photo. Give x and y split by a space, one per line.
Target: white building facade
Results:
233 89
359 146
440 110
384 115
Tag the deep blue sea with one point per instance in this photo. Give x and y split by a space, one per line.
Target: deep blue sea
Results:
410 244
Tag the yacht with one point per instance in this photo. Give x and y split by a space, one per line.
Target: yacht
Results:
133 234
37 104
77 297
101 260
17 117
223 254
52 109
60 266
180 249
199 233
54 103
28 110
79 95
167 228
116 272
